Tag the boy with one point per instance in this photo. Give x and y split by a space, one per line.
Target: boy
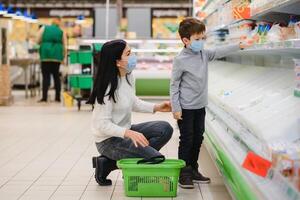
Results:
189 95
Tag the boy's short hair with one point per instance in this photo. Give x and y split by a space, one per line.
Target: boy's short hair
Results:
189 26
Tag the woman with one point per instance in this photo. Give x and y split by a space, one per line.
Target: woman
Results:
114 98
53 49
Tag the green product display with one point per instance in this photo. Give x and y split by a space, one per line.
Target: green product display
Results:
150 180
236 182
97 47
152 87
81 81
73 82
81 57
73 57
85 57
296 93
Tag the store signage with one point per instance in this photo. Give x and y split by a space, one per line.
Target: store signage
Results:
68 13
62 12
169 13
256 164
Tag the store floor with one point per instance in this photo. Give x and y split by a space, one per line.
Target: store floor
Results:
46 150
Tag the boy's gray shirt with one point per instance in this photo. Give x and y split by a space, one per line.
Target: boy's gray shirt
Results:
188 88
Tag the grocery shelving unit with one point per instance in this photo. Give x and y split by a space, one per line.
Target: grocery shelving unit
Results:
277 8
80 80
252 105
240 119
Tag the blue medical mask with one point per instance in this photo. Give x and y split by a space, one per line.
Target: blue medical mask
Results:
132 60
197 45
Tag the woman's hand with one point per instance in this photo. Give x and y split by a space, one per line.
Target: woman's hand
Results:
137 138
163 107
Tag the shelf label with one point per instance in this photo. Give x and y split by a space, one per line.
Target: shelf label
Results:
256 164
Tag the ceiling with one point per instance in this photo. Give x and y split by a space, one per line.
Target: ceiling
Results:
91 1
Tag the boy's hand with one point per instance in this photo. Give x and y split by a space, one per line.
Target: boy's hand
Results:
177 115
163 107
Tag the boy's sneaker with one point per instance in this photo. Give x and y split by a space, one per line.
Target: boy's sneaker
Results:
186 178
199 178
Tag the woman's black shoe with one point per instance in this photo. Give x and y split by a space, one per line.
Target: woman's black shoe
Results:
103 166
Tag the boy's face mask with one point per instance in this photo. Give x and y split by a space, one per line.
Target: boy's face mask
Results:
196 45
195 42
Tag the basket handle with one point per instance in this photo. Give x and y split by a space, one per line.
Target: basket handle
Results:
153 160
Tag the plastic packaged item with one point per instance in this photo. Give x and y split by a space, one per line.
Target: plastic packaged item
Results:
262 31
274 35
289 32
292 21
68 100
297 29
297 77
74 69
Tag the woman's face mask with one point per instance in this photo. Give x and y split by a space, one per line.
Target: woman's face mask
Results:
131 63
128 60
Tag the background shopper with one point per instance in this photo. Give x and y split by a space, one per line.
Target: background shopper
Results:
53 50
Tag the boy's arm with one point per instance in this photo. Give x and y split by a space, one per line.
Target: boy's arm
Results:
174 86
222 51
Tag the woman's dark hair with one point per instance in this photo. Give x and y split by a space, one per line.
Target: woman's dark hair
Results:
107 71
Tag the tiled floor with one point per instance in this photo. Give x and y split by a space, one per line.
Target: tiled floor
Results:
46 150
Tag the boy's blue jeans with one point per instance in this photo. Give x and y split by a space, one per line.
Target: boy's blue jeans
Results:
158 133
192 127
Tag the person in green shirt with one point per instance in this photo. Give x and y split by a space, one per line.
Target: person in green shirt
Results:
53 48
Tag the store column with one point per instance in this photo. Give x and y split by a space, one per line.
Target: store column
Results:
100 22
139 21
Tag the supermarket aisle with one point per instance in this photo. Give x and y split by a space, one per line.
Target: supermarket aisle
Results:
46 153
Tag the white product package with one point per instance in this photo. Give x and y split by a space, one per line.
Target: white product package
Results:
297 77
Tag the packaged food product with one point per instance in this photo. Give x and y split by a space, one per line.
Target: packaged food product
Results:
297 77
297 29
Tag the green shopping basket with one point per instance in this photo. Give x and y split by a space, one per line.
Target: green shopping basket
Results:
150 180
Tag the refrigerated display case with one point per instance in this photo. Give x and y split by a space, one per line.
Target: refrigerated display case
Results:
254 104
252 108
153 71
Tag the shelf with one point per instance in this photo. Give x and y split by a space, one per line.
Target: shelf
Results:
207 4
290 48
156 50
101 41
129 41
277 10
290 52
226 26
214 9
